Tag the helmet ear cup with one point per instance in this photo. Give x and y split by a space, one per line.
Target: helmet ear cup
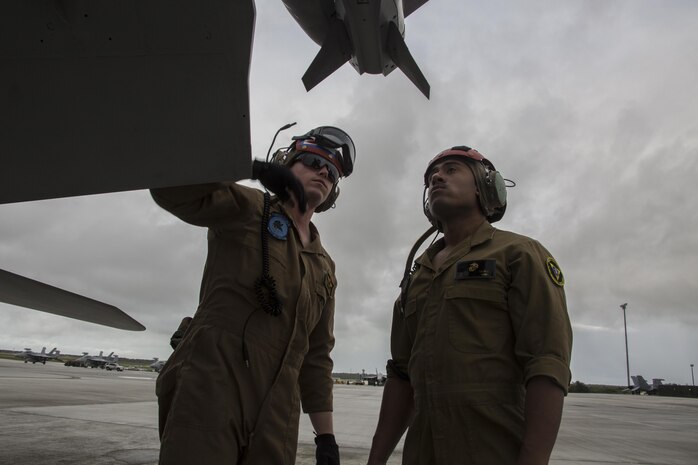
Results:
281 156
425 208
497 188
493 195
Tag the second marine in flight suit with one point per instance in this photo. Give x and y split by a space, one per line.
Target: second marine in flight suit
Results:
473 332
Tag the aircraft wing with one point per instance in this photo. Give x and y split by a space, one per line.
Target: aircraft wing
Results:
113 95
25 292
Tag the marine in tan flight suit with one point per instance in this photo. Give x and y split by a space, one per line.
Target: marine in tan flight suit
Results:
481 339
232 390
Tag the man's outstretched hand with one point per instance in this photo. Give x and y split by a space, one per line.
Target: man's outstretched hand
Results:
280 180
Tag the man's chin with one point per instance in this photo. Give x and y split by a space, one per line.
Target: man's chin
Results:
315 198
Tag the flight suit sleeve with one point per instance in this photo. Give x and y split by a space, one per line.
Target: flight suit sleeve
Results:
316 372
539 316
400 344
209 205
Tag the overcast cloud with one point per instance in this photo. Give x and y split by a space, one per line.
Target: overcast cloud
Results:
589 106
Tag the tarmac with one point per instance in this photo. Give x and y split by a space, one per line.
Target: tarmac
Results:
53 414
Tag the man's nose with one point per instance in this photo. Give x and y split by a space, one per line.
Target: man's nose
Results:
435 176
324 171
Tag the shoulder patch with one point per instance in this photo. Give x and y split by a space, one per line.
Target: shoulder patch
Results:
555 272
329 282
278 226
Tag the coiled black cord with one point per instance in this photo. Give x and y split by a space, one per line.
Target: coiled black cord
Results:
265 285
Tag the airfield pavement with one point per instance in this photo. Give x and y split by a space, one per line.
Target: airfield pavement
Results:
53 414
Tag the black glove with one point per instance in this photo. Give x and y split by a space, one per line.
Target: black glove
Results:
280 180
327 451
179 334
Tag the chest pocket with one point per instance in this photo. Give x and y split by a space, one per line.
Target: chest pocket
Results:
323 293
477 318
411 318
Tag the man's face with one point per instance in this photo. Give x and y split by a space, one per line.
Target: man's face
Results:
316 183
451 188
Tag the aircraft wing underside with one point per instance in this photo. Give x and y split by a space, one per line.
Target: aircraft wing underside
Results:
25 292
112 95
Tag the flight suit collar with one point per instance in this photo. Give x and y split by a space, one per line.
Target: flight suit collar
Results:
315 245
483 234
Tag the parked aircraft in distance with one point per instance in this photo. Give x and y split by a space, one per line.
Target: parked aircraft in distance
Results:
157 364
373 380
369 34
641 385
99 361
78 362
34 357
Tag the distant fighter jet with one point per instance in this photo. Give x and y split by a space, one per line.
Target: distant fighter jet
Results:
369 34
34 357
157 364
78 362
99 361
641 385
373 380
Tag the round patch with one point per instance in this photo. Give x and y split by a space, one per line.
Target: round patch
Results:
555 272
278 226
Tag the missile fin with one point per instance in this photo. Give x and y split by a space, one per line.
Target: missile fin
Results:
335 51
408 6
402 57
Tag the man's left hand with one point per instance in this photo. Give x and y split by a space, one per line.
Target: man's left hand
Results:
327 452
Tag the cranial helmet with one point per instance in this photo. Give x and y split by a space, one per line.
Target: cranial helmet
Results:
490 184
328 142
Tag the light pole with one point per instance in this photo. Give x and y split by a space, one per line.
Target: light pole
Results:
693 380
627 360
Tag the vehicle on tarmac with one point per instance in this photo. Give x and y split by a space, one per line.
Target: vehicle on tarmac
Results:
113 366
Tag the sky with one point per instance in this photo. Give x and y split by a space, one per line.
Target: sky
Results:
589 106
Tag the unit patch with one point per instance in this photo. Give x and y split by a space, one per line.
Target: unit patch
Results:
476 269
278 226
555 272
329 285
